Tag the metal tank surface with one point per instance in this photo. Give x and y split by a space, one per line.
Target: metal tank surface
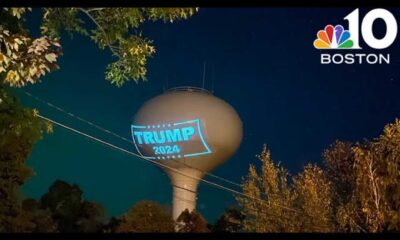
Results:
190 130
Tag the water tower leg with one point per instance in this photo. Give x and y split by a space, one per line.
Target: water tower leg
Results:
184 191
182 199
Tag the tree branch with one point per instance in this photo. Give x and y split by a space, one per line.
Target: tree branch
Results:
112 48
94 9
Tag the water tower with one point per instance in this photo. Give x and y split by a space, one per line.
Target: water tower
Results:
190 130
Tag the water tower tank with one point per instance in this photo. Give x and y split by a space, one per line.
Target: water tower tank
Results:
190 130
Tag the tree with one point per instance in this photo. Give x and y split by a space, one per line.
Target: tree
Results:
230 221
374 202
272 213
275 205
387 149
338 162
191 222
41 219
357 190
313 200
112 225
146 216
25 60
69 209
20 129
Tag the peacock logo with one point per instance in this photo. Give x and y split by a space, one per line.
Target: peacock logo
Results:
333 38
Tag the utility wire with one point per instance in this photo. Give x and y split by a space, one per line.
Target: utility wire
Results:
157 163
264 202
118 136
127 140
179 172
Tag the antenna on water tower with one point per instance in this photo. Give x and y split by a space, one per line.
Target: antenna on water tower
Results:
204 74
212 78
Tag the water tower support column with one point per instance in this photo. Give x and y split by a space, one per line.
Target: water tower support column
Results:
184 190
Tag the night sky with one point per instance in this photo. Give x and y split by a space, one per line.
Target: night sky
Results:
264 65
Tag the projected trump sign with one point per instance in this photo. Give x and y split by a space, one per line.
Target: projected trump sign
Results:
170 140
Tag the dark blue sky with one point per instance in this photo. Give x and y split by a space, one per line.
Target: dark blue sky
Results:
265 66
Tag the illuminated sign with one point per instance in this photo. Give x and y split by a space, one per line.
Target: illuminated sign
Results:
170 140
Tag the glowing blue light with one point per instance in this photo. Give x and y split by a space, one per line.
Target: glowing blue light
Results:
204 143
134 142
174 136
136 126
148 138
163 136
177 135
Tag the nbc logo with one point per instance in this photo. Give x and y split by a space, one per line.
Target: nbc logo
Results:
337 38
333 37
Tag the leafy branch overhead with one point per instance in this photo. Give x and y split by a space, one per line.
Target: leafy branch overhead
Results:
25 60
112 28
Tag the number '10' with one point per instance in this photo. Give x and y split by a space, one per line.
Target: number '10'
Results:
366 28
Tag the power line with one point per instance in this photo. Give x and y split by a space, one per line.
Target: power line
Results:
118 136
77 117
177 171
159 164
137 155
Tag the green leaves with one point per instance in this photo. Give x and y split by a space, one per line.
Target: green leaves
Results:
51 57
169 14
17 12
133 54
113 27
24 60
57 19
115 23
